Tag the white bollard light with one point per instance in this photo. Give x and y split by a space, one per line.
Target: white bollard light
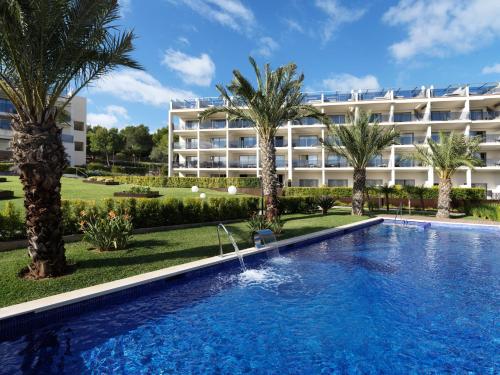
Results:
194 189
203 195
232 190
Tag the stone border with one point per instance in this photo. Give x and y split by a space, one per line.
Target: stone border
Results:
127 194
63 299
452 222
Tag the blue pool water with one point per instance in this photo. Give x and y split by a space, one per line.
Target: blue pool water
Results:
384 299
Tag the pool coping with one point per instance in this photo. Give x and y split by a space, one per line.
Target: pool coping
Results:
444 223
83 294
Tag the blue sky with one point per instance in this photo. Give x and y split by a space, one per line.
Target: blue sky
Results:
186 46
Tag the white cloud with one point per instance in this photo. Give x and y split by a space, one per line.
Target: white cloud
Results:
125 6
444 27
347 82
183 40
293 25
191 69
230 13
267 46
337 15
139 86
113 116
491 69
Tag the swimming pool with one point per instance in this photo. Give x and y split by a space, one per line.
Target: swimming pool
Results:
386 298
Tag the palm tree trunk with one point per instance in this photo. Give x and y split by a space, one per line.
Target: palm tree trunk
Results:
387 202
269 178
39 154
358 189
444 198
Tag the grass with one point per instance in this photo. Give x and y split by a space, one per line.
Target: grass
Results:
73 188
147 252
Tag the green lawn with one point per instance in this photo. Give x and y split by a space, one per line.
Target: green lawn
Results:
147 252
73 188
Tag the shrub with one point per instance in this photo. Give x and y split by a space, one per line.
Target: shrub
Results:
107 232
325 202
96 166
486 211
11 223
187 182
6 167
336 192
258 222
293 205
139 189
131 170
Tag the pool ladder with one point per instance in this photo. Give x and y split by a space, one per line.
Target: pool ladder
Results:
399 213
233 242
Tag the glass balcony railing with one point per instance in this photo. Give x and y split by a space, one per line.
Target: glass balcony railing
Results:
407 163
411 139
185 104
306 121
336 163
491 138
281 163
374 95
379 117
213 144
213 124
186 146
379 163
5 123
213 164
445 116
234 124
409 94
186 164
490 163
306 142
306 163
247 143
484 115
337 97
243 164
406 117
280 143
338 119
449 91
6 106
312 98
483 89
188 125
211 102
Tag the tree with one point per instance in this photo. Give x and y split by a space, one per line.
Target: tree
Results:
276 100
46 46
138 141
387 191
358 142
105 142
446 155
159 152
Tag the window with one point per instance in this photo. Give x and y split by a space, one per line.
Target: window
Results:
376 117
307 141
190 125
217 175
279 141
218 142
78 146
79 125
308 161
476 114
402 117
440 115
6 106
248 161
371 182
4 144
336 161
308 182
5 123
280 161
248 142
406 139
404 182
336 183
337 119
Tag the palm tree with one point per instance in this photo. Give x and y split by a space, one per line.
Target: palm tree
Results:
358 142
276 99
446 155
386 190
46 47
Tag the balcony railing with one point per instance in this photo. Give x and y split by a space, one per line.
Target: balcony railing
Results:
483 115
188 125
280 143
216 144
375 95
449 91
445 116
411 139
407 163
306 163
5 123
213 164
235 124
306 121
186 164
490 163
490 138
6 106
336 164
378 163
337 119
409 94
337 97
483 89
243 144
213 124
306 142
186 146
281 163
242 164
379 117
406 117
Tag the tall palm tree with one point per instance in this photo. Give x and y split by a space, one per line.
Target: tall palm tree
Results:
276 99
446 155
387 191
46 47
358 142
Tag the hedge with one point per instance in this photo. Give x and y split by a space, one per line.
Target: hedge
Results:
139 170
145 213
293 205
5 167
486 211
187 182
457 194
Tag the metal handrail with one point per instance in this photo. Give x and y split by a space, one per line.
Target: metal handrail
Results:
233 242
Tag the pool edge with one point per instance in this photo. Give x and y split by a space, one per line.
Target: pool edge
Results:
80 295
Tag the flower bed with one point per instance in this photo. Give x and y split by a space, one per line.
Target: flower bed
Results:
101 181
138 192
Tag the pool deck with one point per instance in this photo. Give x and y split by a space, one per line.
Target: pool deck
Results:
79 295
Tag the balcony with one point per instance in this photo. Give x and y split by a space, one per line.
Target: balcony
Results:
411 139
280 143
213 124
374 95
185 104
281 163
213 164
339 163
186 164
445 116
5 123
378 163
6 106
409 94
407 163
306 142
406 117
379 117
337 97
450 91
186 146
337 119
242 164
484 89
306 163
213 144
243 144
188 125
240 124
490 163
490 138
483 115
306 121
211 102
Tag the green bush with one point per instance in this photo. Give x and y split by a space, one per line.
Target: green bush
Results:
187 182
106 232
293 205
335 192
139 190
95 166
258 222
325 202
132 170
6 167
11 223
490 211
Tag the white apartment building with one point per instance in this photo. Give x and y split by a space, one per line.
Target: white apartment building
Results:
74 130
218 147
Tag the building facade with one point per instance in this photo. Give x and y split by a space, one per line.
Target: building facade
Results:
74 130
218 147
